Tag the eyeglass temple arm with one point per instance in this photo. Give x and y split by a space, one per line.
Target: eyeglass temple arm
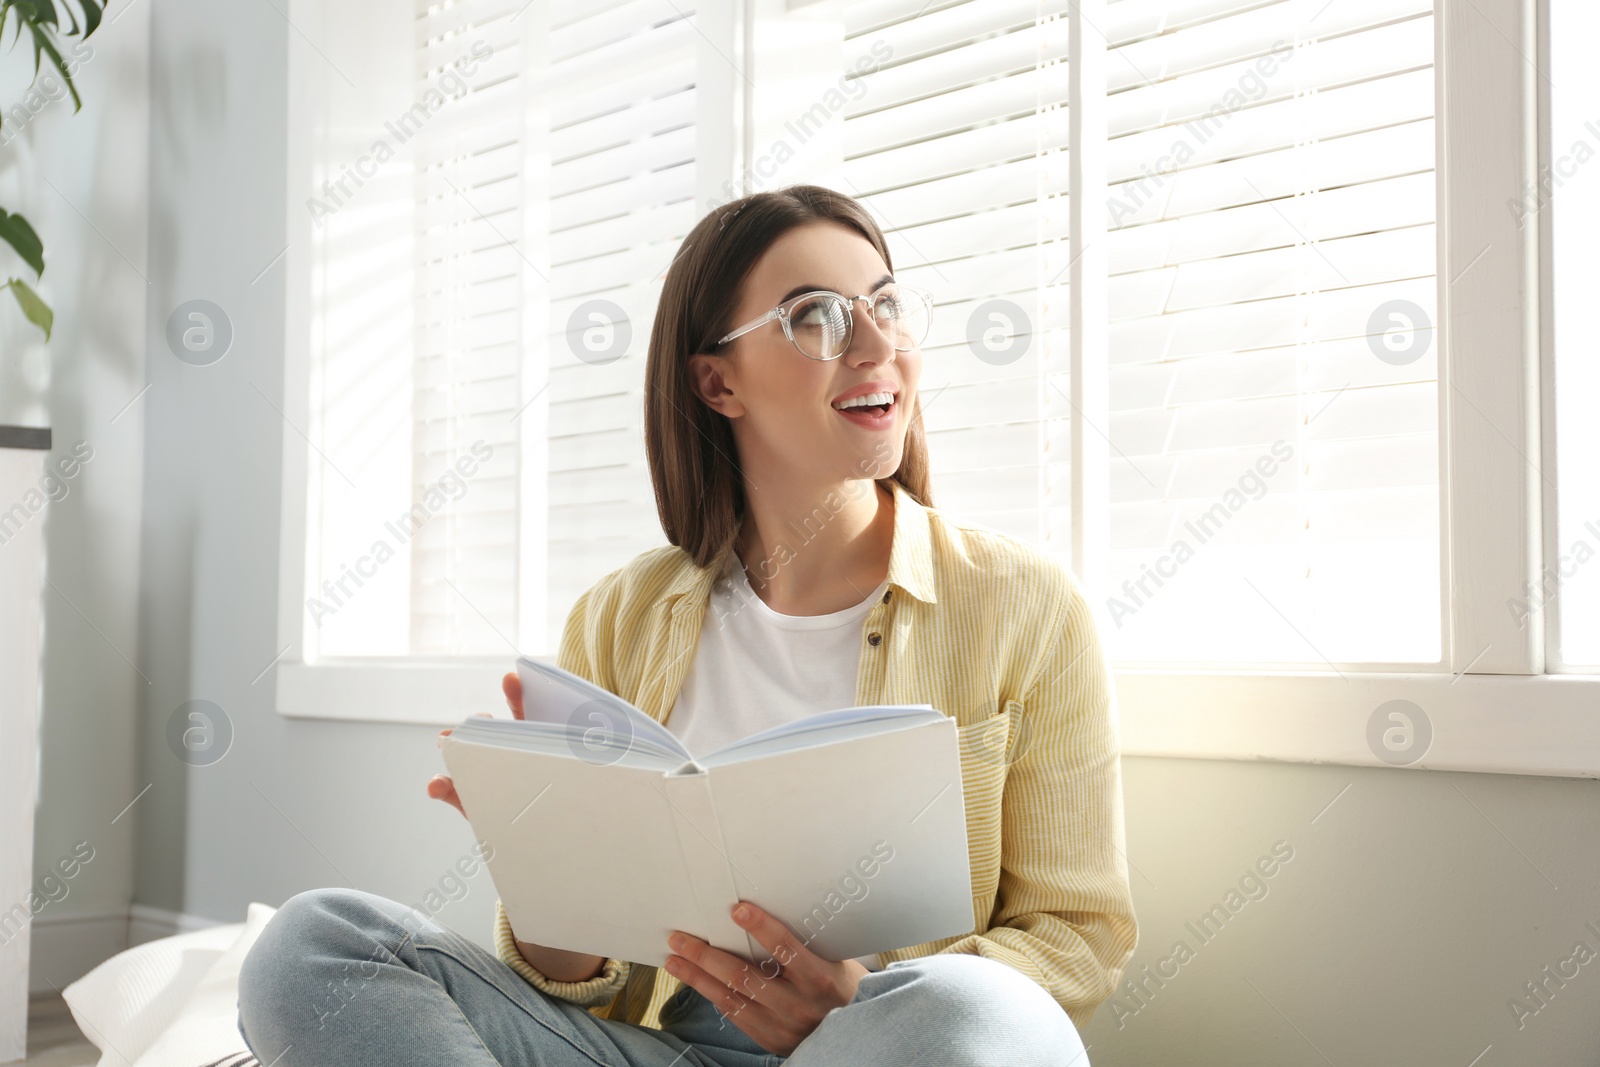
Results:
747 327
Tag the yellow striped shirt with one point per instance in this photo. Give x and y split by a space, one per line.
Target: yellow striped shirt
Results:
984 627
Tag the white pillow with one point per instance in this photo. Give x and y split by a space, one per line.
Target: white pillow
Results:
206 1031
126 1001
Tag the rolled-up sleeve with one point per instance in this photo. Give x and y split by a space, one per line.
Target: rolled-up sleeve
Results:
592 992
1064 910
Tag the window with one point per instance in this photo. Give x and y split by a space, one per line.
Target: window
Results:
1270 207
1567 194
622 184
412 210
956 140
1272 373
1232 318
472 215
489 220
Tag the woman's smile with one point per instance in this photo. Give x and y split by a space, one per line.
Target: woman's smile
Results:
871 405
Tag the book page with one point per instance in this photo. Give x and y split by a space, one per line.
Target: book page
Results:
824 728
550 694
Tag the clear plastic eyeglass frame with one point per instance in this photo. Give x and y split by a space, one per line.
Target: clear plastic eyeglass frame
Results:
781 313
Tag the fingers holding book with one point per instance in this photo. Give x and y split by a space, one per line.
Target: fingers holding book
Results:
440 786
511 685
779 1001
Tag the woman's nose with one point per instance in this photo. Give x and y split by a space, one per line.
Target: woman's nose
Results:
868 342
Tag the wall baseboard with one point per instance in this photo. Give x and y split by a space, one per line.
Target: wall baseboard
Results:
147 924
70 945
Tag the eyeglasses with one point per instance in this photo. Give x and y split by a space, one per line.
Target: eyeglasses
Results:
820 323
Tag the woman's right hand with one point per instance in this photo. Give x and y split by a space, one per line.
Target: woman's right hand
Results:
554 963
440 787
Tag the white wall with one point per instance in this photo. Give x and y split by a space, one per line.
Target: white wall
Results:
1416 905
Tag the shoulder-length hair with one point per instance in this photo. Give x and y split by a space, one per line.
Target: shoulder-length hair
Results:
693 459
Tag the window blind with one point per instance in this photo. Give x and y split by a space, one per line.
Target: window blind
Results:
410 351
1271 248
1272 368
507 168
469 274
620 94
957 144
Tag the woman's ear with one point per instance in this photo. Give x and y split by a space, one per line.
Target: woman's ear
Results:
709 375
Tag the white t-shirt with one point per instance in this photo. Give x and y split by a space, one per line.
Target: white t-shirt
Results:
756 668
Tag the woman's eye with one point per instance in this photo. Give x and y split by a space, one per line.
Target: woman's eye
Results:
815 314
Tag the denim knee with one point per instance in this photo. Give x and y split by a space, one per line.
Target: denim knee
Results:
957 984
313 933
954 1009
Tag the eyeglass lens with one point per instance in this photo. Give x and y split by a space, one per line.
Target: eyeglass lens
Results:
821 324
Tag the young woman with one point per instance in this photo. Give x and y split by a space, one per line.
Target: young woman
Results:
807 569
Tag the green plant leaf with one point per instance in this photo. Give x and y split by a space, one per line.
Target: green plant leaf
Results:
37 311
42 42
31 12
41 12
16 232
91 15
43 23
5 10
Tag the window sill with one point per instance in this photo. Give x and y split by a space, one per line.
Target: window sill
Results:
399 691
1489 723
1493 723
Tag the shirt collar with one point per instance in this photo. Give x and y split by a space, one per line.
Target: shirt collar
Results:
910 559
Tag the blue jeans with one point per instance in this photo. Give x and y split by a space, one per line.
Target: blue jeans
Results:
344 978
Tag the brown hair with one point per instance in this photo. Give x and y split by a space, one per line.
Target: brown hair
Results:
693 459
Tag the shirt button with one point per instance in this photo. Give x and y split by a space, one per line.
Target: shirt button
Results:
874 638
886 596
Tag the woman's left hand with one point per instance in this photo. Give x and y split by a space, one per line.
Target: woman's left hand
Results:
777 1005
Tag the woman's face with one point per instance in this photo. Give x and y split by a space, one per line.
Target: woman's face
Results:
783 406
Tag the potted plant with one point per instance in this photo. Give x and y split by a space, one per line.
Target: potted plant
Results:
42 21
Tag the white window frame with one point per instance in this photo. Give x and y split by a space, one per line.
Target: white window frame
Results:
1491 703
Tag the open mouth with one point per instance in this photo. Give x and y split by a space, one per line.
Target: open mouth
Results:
870 409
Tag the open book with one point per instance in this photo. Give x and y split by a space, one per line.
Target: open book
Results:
607 834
